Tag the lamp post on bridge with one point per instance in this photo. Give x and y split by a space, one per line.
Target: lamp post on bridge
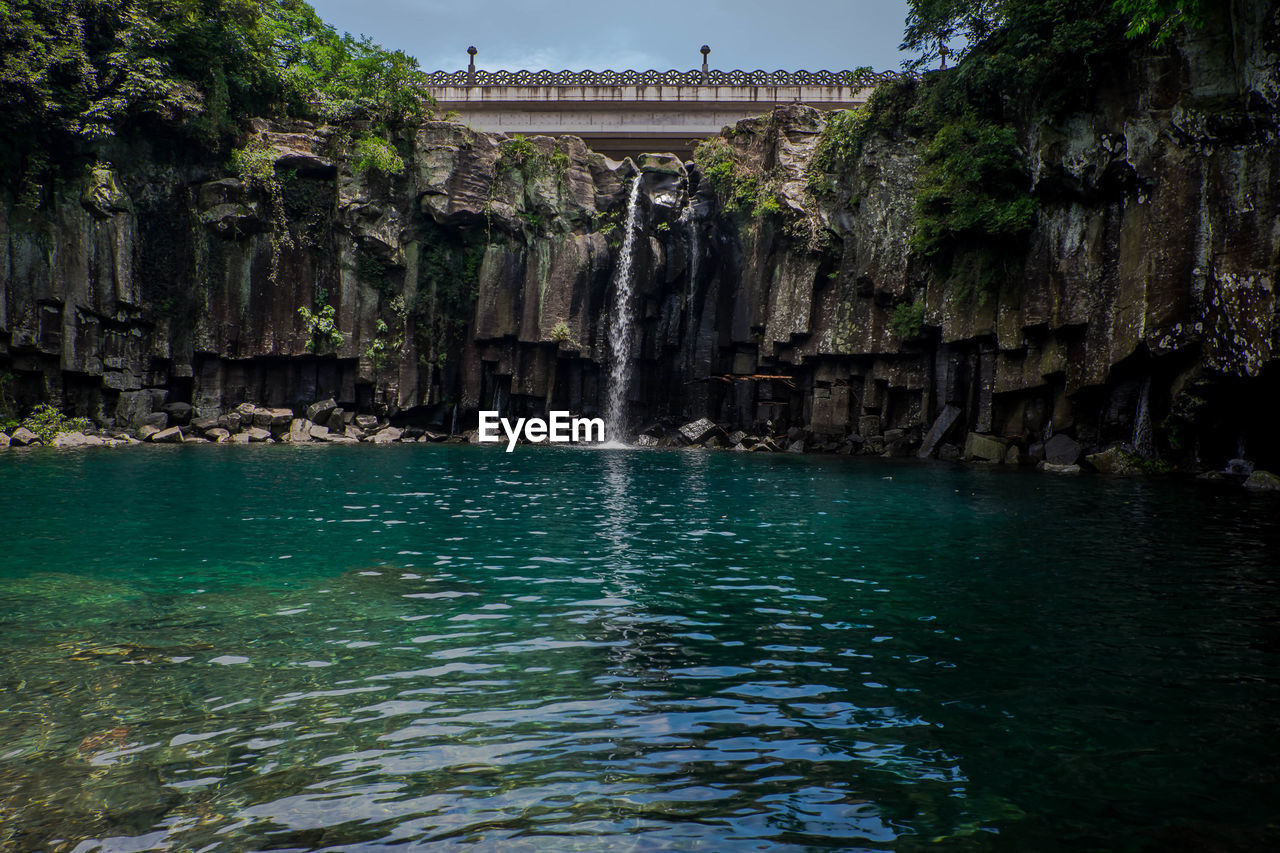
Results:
706 71
471 66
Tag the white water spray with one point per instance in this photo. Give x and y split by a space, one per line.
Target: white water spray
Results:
690 220
1142 441
622 325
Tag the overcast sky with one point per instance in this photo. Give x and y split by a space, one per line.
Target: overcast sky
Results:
661 34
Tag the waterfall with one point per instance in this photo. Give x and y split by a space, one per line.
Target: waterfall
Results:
622 325
1142 444
690 220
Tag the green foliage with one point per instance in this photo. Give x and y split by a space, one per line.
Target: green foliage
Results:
255 164
973 186
519 154
561 334
46 422
321 326
375 154
838 148
907 319
76 72
740 189
384 345
1163 18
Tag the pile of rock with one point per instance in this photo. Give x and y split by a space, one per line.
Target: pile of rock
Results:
323 421
762 439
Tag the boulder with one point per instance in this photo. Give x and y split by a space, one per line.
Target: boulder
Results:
1055 468
983 448
1062 450
240 438
280 420
897 443
300 430
179 413
245 411
146 431
4 440
319 433
643 440
431 436
696 432
261 417
337 421
172 435
159 420
218 434
257 434
1263 481
338 438
366 422
796 446
942 425
132 407
1013 456
69 439
736 437
1113 460
386 436
203 425
318 412
94 441
230 422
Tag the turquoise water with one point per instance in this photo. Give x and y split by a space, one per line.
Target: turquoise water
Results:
428 647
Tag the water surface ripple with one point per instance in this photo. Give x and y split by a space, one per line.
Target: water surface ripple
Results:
233 649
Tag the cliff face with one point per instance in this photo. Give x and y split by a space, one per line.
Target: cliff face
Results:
482 277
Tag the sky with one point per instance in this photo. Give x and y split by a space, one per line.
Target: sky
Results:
660 34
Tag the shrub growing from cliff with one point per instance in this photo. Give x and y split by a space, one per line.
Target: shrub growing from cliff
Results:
375 154
740 189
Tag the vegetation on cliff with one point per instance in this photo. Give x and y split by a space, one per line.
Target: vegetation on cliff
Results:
75 73
1024 61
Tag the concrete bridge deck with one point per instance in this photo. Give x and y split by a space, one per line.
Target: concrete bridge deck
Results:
622 113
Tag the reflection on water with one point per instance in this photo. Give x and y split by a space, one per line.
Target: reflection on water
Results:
447 648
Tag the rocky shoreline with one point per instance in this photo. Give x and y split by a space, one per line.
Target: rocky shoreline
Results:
326 422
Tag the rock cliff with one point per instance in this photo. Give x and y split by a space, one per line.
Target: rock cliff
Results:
1143 313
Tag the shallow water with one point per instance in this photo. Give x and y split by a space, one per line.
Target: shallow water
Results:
304 648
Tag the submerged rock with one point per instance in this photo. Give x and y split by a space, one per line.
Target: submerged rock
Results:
1114 460
1263 481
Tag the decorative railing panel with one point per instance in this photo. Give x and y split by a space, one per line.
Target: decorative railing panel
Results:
855 79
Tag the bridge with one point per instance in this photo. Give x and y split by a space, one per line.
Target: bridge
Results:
620 113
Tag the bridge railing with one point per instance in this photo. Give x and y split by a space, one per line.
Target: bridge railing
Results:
859 79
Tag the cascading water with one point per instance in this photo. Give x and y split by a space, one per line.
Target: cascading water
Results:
1142 443
690 220
622 325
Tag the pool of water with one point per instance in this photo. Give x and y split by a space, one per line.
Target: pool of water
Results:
429 647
